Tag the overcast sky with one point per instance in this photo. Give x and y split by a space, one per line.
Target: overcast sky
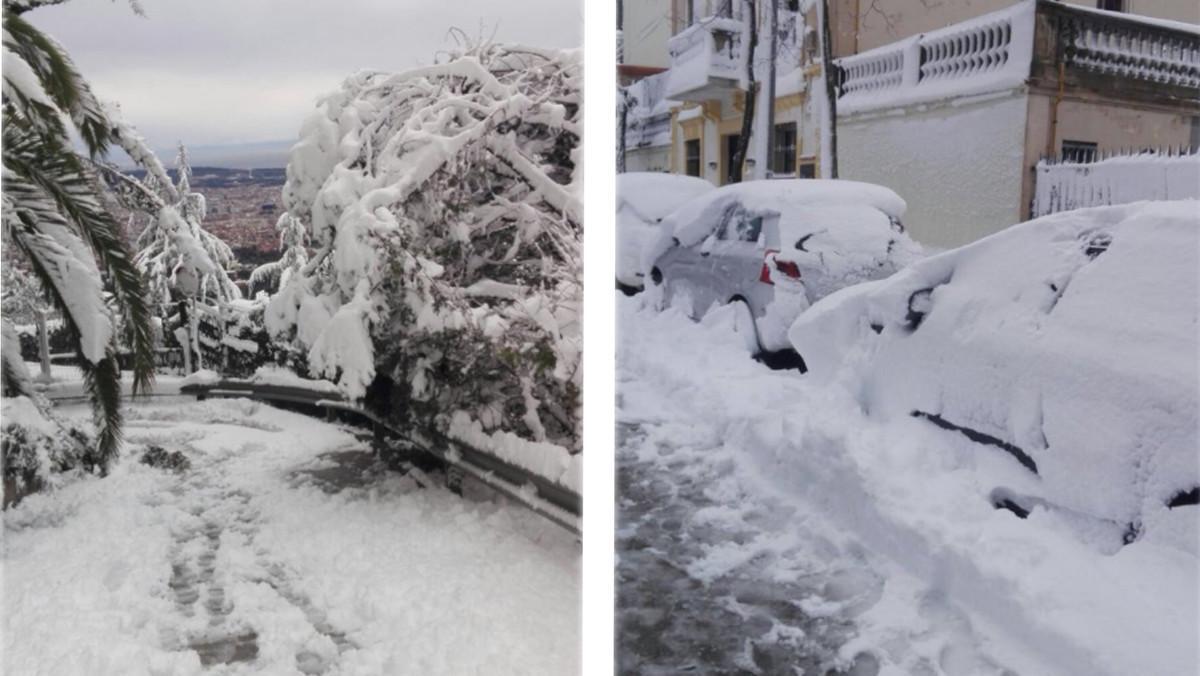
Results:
212 72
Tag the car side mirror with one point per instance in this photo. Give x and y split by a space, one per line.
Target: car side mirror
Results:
707 246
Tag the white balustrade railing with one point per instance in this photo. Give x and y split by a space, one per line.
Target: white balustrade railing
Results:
968 52
986 53
1132 49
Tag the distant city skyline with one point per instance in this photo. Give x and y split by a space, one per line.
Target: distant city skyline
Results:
236 79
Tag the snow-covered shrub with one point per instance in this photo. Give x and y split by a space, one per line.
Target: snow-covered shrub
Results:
34 446
157 456
445 207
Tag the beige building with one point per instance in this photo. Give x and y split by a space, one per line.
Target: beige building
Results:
951 106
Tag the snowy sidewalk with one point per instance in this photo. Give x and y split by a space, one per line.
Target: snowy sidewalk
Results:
283 549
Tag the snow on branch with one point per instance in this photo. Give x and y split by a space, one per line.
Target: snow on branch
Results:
445 203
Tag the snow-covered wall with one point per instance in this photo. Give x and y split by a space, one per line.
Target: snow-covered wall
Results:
959 167
1063 186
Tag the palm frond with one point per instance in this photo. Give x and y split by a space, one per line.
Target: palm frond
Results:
102 377
73 188
60 79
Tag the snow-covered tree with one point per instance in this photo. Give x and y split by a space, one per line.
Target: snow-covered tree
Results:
293 239
175 253
445 205
53 211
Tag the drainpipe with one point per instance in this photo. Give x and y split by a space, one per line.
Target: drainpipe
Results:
1058 97
1060 61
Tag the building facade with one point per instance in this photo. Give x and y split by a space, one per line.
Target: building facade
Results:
951 106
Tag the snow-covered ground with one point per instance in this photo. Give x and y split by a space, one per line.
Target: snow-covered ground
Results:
284 549
770 519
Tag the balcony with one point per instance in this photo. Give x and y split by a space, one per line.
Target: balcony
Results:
1043 45
707 60
1117 55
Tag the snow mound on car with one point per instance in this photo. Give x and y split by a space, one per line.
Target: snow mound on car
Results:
653 195
1072 337
697 219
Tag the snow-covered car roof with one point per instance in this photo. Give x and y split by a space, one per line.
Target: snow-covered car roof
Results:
653 195
696 219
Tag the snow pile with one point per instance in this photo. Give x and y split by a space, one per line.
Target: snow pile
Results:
988 53
1062 186
445 206
643 199
1071 338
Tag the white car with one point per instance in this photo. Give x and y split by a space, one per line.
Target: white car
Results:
643 199
775 247
1065 347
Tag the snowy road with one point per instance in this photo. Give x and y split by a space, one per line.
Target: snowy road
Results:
704 588
283 549
767 526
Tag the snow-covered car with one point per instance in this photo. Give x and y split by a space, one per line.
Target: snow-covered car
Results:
775 247
1068 343
643 199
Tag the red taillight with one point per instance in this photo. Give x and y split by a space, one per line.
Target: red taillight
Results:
788 268
764 276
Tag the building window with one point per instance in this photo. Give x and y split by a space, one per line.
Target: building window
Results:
1078 151
808 168
691 151
783 155
1111 5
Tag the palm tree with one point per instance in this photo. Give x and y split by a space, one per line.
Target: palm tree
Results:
54 214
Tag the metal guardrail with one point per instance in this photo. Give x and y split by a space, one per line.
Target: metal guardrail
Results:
545 497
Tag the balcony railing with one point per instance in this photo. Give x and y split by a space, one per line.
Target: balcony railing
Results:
1027 43
987 53
706 59
1152 51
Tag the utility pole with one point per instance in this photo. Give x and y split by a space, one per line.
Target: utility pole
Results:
829 70
734 171
769 169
